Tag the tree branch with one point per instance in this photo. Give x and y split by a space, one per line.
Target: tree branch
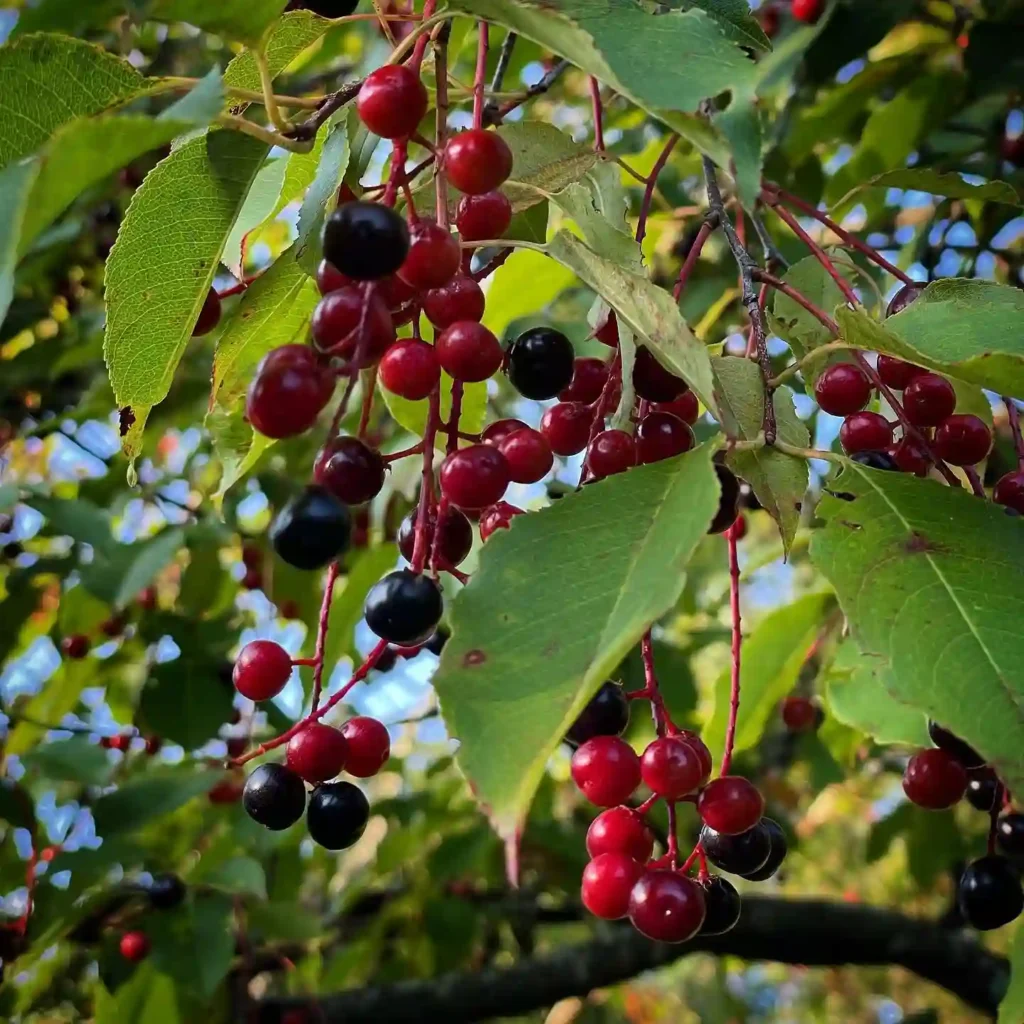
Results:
809 932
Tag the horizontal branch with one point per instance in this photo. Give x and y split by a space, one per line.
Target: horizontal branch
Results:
809 932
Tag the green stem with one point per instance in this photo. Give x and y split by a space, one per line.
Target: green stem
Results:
267 85
794 368
240 124
807 453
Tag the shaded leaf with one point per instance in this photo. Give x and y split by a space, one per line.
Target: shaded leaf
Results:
161 790
72 760
241 875
117 574
147 997
948 184
322 194
194 943
58 697
237 19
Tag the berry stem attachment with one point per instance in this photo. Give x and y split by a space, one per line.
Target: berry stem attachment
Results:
422 541
1013 416
737 645
321 633
652 692
481 73
441 122
709 225
652 180
508 45
597 107
787 289
280 122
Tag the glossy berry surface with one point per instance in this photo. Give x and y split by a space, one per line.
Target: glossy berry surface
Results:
904 297
779 849
983 789
611 452
910 456
337 815
261 670
209 315
607 332
652 381
274 796
722 906
670 767
730 805
1009 834
1009 491
686 407
468 351
474 477
287 392
876 460
808 11
895 373
606 770
350 469
165 892
434 256
329 278
353 325
498 516
496 432
567 427
456 535
666 906
928 399
134 946
739 855
484 216
954 746
620 830
369 746
589 376
410 369
316 752
312 529
75 646
477 161
935 780
460 299
607 714
528 455
962 440
392 101
365 241
800 714
728 500
989 893
540 363
404 607
701 750
842 389
865 432
660 435
607 883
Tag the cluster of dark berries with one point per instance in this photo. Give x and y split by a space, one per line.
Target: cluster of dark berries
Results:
989 893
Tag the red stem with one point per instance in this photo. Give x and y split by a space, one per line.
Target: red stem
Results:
819 253
787 289
691 258
737 643
321 633
364 416
652 179
416 449
1013 415
481 74
421 546
598 109
975 481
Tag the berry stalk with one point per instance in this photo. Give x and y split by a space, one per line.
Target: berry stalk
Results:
737 645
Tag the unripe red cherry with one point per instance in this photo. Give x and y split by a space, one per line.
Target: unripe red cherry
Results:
392 101
770 19
608 881
911 457
1009 491
652 381
963 440
670 767
288 391
611 452
369 746
497 431
468 351
262 670
227 791
75 646
477 161
608 332
252 580
329 278
730 805
589 376
666 906
153 745
620 830
460 299
434 255
353 324
895 373
567 427
606 770
800 714
134 946
934 779
928 399
487 215
498 516
686 407
317 752
209 315
528 455
865 432
661 435
808 11
474 477
842 389
350 469
1012 149
410 369
701 750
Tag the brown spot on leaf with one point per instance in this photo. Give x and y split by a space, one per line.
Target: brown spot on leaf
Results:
126 420
473 657
919 544
849 525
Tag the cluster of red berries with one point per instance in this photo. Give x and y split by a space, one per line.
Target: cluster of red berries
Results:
623 879
123 742
770 14
989 893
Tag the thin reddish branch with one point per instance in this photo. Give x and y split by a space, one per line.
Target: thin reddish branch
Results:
1013 416
652 180
440 123
693 255
737 645
598 112
321 633
787 289
421 547
819 253
481 74
367 409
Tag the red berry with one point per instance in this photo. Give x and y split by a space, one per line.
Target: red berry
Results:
528 455
392 101
252 580
474 477
606 770
153 745
701 749
588 379
800 714
134 946
865 432
686 407
317 752
434 256
351 470
455 540
329 278
410 369
608 881
395 292
209 315
75 646
252 556
808 11
477 161
842 389
262 670
928 399
354 325
567 427
487 215
468 351
227 791
611 452
620 830
903 298
48 854
608 332
1009 491
369 746
1012 149
934 779
114 626
738 530
963 440
730 805
498 517
895 373
499 430
652 381
122 743
911 457
288 392
147 598
670 767
666 906
237 745
460 299
661 435
770 19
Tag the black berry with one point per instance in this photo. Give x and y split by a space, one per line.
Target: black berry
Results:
742 854
312 529
540 363
404 608
953 745
274 796
778 852
337 815
983 789
990 894
876 460
166 892
728 502
365 241
722 906
437 641
607 714
1010 834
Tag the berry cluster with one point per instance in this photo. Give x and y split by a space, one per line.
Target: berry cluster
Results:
806 11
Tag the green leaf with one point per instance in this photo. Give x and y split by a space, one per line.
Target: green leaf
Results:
194 943
72 760
917 566
236 19
741 125
522 286
292 33
80 520
147 997
736 20
185 702
1011 1009
413 415
241 875
859 695
56 79
650 312
58 696
15 188
68 16
791 322
971 330
161 790
557 602
322 194
160 269
779 481
117 574
259 205
770 661
276 920
16 806
949 184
